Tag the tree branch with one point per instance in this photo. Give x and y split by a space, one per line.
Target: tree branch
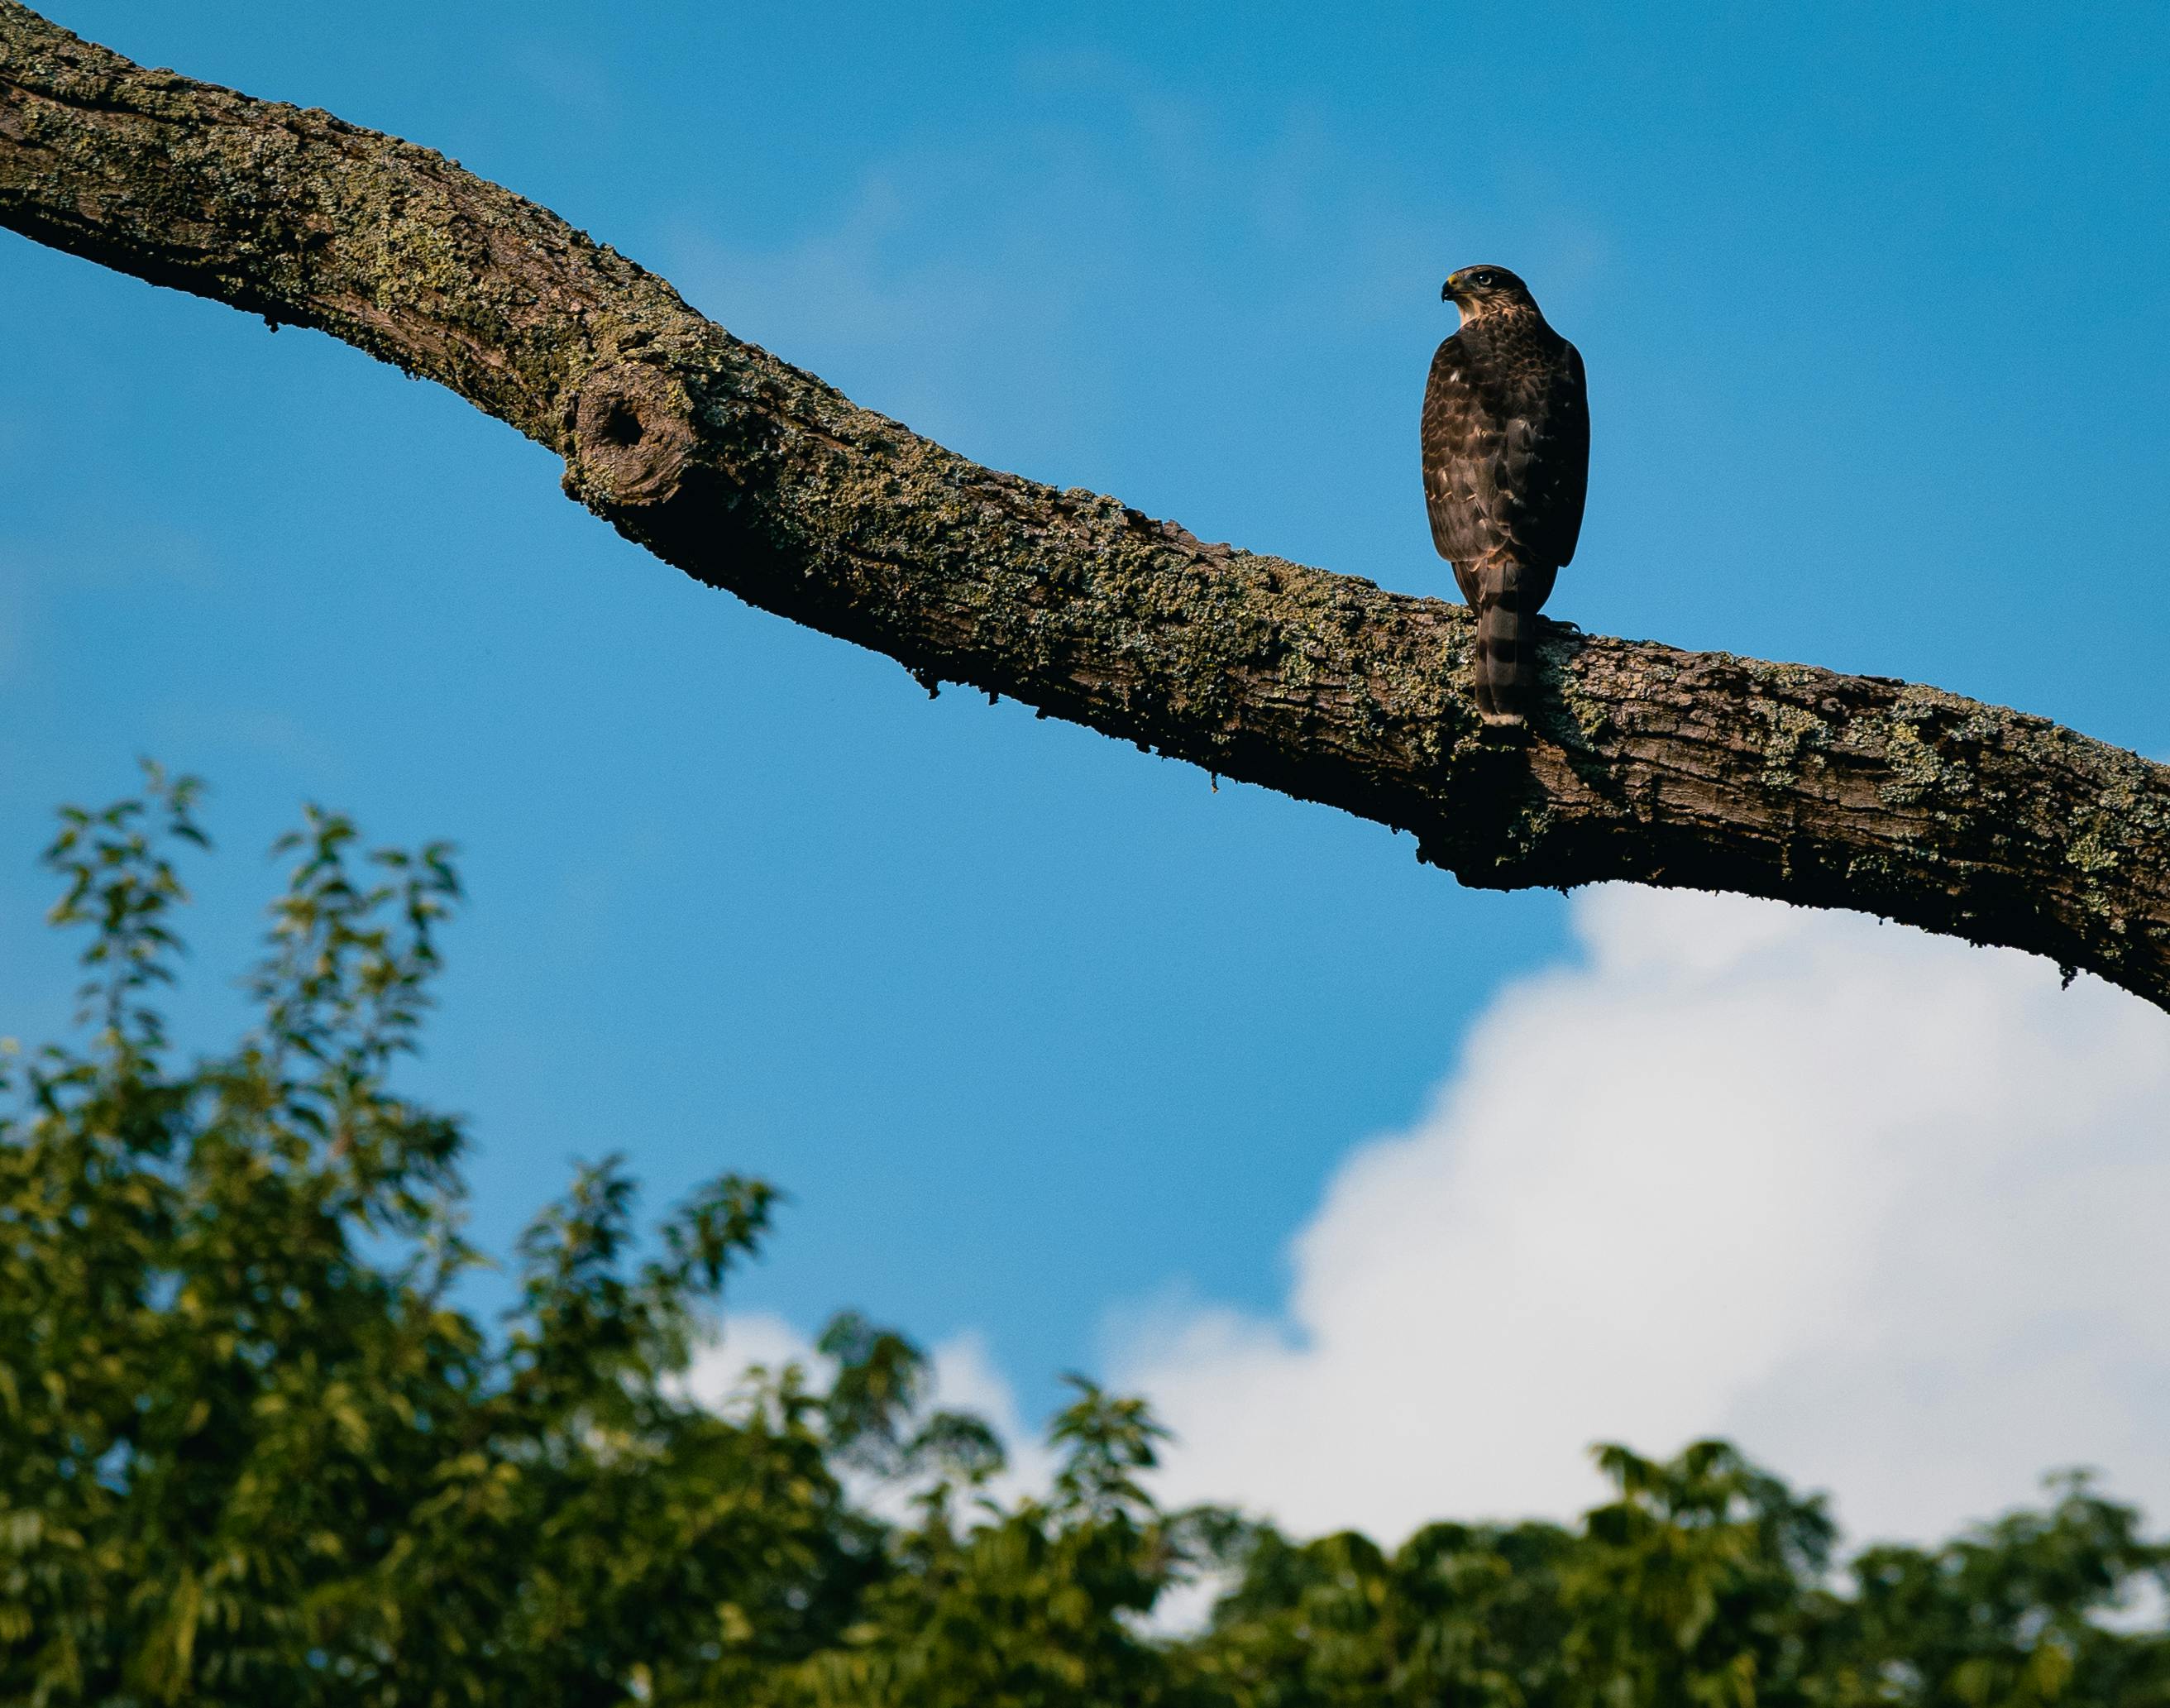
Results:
1697 769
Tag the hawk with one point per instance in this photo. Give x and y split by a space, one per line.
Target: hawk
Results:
1506 463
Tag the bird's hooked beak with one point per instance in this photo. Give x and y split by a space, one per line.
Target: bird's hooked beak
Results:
1447 291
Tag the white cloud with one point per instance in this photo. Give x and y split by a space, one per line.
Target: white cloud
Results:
726 1370
1887 1210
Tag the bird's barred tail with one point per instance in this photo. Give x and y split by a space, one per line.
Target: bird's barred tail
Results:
1506 640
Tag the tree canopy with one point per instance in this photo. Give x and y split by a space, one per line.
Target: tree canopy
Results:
258 1445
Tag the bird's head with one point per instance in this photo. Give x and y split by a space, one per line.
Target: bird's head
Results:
1485 290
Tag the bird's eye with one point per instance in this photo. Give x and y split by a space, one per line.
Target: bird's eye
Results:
1487 279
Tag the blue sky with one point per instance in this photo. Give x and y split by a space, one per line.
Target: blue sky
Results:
1039 1033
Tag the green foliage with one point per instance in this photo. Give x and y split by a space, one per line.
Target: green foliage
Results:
2007 1616
254 1449
1686 1589
251 1449
1035 1605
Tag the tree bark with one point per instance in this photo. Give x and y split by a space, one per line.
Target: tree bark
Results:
1695 769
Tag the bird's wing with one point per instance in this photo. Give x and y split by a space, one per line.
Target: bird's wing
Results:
1547 462
1462 456
1571 467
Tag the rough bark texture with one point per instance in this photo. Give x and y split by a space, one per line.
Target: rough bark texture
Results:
1697 769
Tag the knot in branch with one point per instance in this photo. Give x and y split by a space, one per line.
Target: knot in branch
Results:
633 435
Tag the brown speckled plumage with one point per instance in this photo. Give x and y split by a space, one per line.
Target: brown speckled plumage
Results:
1506 463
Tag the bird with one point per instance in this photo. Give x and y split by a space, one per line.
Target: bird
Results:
1506 467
